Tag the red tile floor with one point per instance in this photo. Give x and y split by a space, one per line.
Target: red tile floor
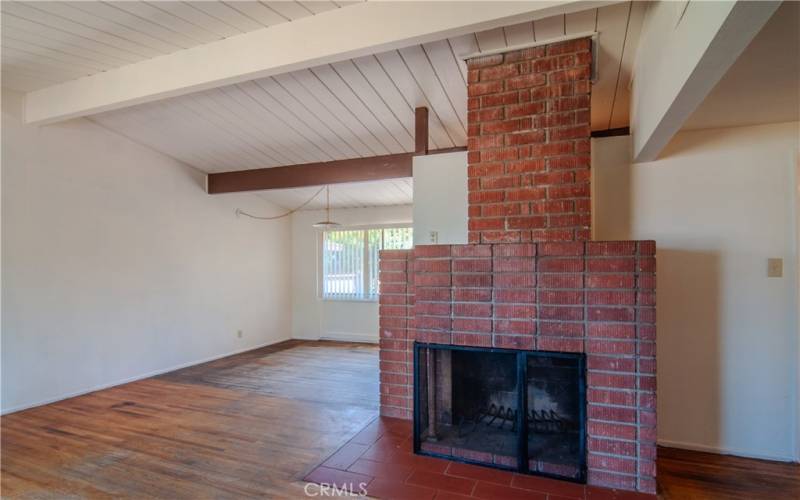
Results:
380 457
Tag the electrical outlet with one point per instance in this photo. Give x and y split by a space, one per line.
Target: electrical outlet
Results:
775 268
434 236
239 333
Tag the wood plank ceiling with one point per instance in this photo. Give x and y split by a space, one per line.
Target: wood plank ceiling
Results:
354 108
50 42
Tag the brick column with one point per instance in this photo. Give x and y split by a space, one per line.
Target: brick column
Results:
396 352
529 144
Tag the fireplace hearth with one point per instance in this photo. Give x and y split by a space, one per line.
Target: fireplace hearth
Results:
510 409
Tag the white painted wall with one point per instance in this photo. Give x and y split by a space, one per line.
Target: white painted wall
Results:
312 317
719 203
440 198
797 298
117 265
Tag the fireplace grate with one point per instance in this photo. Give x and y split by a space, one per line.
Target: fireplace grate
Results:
542 422
492 416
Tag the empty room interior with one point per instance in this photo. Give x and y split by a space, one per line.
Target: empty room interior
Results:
400 249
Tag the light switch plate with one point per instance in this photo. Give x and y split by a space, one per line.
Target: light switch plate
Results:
775 268
434 237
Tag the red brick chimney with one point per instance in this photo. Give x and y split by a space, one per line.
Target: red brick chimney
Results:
529 149
530 279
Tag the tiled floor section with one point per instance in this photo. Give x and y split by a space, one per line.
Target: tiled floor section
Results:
380 456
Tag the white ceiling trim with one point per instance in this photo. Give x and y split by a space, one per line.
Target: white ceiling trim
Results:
527 45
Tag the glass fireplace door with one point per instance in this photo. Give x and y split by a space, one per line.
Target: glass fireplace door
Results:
510 409
555 414
469 405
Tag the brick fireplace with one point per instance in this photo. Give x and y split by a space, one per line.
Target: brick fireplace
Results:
529 279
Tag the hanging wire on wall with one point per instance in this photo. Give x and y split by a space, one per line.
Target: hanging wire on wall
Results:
239 211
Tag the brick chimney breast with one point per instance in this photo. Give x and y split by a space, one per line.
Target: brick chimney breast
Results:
529 144
530 279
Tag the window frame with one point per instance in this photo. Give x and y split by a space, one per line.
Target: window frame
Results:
321 251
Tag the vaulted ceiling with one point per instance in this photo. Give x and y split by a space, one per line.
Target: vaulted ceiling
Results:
55 41
365 106
347 109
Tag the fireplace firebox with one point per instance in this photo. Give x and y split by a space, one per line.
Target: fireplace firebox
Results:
510 409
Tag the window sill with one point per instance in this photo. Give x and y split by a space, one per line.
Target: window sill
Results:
348 299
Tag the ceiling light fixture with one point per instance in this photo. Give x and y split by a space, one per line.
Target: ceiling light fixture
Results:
327 223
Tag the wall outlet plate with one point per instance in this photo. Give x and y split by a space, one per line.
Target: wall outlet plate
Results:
775 268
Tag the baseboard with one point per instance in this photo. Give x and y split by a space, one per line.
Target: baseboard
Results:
719 450
350 337
341 337
128 380
305 337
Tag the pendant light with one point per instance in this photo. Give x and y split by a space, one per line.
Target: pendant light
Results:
327 223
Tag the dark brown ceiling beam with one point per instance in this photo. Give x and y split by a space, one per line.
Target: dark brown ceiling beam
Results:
421 131
611 132
374 168
312 174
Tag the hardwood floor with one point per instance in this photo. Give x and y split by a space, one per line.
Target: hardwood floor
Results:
699 476
254 424
248 425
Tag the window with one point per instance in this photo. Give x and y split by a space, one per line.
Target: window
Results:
350 260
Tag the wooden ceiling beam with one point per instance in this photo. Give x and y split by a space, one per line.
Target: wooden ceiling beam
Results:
677 65
336 35
374 168
421 131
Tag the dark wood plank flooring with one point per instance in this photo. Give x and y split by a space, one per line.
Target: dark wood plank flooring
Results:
248 425
700 476
254 424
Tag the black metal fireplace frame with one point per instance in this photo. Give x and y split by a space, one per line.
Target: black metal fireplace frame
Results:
522 377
